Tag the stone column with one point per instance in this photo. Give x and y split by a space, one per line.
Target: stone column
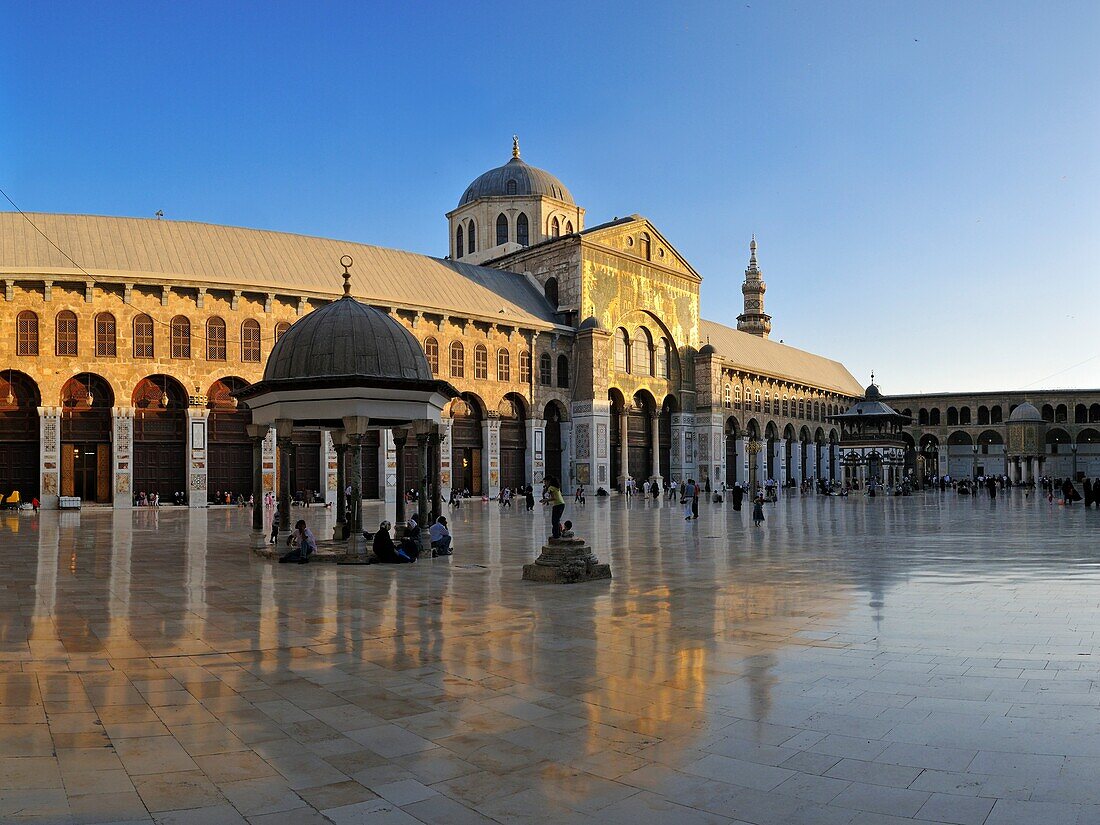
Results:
590 423
270 452
624 450
655 435
743 458
435 444
122 432
354 428
340 449
257 434
490 460
387 458
49 455
400 438
284 431
444 471
424 472
781 452
197 420
568 466
329 470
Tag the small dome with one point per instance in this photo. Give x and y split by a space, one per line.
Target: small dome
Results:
872 393
516 179
589 323
708 349
347 338
1025 412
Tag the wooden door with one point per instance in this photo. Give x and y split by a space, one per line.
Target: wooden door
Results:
68 468
475 471
103 472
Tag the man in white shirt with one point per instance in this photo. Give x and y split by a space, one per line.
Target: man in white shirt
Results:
441 538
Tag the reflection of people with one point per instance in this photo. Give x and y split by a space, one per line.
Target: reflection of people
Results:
557 502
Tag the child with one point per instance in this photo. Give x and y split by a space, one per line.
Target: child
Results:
275 526
567 530
758 511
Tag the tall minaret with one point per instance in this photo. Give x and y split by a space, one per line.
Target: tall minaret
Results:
754 320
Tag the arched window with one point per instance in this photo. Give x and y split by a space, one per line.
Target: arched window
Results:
801 407
510 187
106 335
459 251
504 365
431 352
26 333
458 361
775 404
568 227
250 341
664 357
555 228
934 417
521 229
622 349
66 334
727 396
180 332
767 401
644 246
786 407
995 414
143 336
952 416
545 368
737 398
215 339
481 362
983 415
471 237
964 415
641 351
563 372
502 229
280 329
758 407
551 290
525 366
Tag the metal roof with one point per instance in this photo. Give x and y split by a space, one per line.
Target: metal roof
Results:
262 261
529 180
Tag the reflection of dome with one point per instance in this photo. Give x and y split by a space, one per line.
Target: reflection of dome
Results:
1025 412
347 338
516 179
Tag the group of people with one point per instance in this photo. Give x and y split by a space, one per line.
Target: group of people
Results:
226 497
406 550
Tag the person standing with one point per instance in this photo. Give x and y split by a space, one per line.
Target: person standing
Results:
687 497
758 511
737 495
557 505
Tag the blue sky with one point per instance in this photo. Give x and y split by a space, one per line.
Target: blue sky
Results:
923 178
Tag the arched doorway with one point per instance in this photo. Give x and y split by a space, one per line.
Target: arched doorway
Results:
732 435
229 452
640 435
467 415
961 458
19 403
160 444
513 441
928 457
664 435
86 401
991 454
553 418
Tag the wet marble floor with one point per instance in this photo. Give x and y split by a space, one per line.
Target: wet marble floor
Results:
926 659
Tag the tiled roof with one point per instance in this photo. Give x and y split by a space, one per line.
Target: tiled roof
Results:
259 260
761 355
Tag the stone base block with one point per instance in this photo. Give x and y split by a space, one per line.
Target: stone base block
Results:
566 561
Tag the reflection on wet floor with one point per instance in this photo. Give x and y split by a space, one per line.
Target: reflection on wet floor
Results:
929 658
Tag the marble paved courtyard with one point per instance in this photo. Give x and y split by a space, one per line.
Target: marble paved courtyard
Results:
927 659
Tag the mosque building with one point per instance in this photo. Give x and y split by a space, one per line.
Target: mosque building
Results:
580 352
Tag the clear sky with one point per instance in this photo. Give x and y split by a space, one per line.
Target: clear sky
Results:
923 178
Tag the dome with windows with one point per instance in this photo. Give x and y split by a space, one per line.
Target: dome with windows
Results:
1026 412
516 179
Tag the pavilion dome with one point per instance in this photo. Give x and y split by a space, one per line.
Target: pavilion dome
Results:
516 179
872 393
347 338
1025 412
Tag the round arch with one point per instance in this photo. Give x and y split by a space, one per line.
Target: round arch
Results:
467 413
20 399
512 410
86 469
160 439
229 468
554 414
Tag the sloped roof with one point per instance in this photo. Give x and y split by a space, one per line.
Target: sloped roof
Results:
755 354
263 261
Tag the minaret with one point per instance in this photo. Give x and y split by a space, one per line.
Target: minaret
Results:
754 320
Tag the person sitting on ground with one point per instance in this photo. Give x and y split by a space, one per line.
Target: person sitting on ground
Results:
385 551
567 529
303 543
410 542
441 538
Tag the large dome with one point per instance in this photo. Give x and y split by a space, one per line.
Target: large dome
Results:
1025 412
516 179
347 338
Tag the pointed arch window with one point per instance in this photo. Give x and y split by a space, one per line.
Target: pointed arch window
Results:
502 229
471 238
143 336
737 398
622 350
525 367
758 407
459 252
664 359
250 341
504 365
727 396
555 228
280 329
431 352
546 368
522 233
481 362
106 335
641 351
563 372
180 332
65 338
458 361
26 333
568 227
215 339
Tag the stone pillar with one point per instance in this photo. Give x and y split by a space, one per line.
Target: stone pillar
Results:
589 454
743 458
329 471
122 434
490 455
284 431
534 460
257 434
781 451
424 473
655 435
387 457
568 465
270 453
354 428
444 471
435 445
400 438
49 456
198 419
624 450
340 450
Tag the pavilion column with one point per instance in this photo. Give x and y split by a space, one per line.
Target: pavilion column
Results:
122 462
400 439
329 471
435 445
354 428
270 469
423 470
49 455
624 450
340 448
257 434
655 436
284 431
444 470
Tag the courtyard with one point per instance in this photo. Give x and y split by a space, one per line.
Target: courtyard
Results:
930 658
